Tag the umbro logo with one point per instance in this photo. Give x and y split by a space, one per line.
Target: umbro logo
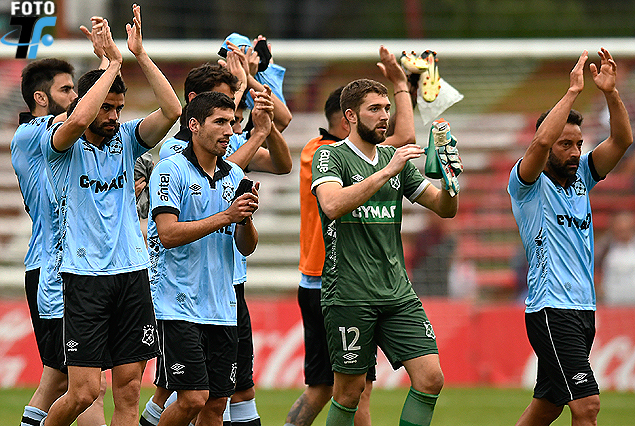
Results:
580 378
196 189
72 345
350 358
178 368
357 178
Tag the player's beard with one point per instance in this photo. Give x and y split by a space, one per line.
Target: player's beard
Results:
561 168
54 108
99 129
370 135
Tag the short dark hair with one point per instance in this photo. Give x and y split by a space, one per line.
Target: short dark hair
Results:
354 93
206 77
575 117
332 105
39 75
89 79
204 104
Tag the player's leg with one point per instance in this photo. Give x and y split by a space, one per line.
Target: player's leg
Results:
221 346
187 405
540 412
52 382
243 411
155 405
347 391
350 332
83 388
362 416
318 375
562 341
407 338
94 415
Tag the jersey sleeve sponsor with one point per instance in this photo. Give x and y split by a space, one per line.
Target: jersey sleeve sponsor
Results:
165 188
326 167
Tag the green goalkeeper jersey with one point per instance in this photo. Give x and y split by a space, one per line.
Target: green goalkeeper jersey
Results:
364 262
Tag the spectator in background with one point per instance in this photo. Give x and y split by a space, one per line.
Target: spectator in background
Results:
615 261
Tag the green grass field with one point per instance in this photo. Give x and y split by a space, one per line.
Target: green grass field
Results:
456 407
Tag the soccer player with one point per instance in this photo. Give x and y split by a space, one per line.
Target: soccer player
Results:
317 367
245 149
193 226
367 298
47 89
549 189
107 306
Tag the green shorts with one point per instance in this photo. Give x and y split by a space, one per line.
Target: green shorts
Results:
402 331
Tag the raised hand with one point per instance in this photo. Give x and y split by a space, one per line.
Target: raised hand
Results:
98 48
604 78
135 44
390 68
401 156
576 77
111 51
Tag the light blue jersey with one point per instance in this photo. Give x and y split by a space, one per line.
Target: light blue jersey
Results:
98 216
193 282
28 163
177 144
50 297
556 229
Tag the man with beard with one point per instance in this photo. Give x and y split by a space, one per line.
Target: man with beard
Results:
367 298
549 189
90 162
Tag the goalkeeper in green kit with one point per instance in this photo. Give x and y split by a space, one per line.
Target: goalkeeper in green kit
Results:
367 298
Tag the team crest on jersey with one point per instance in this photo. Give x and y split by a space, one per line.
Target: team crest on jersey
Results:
228 191
148 335
579 187
395 182
115 146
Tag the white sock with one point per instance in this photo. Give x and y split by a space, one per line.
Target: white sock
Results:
151 414
244 411
32 416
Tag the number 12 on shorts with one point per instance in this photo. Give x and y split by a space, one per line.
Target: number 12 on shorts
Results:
353 330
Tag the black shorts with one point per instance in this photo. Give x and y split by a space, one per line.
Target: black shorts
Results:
317 364
31 281
245 370
197 357
562 340
108 315
52 350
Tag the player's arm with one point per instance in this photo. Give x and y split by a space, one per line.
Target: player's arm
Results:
439 201
336 201
281 114
608 153
276 158
261 118
246 236
173 233
156 125
88 106
98 49
404 127
535 157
